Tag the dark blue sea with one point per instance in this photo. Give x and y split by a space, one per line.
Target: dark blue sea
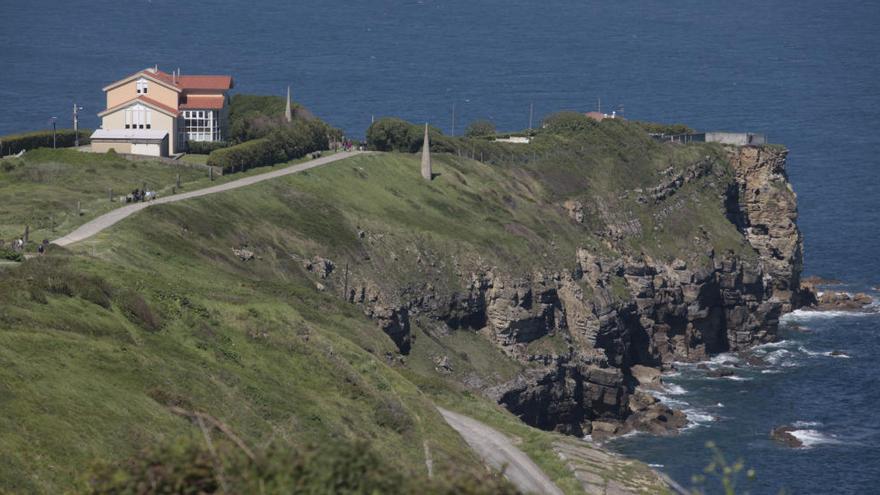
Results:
805 72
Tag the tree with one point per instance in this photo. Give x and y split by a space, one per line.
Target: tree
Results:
479 128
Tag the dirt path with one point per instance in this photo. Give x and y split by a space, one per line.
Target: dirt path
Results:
108 219
497 451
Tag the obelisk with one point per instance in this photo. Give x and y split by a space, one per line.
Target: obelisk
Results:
288 115
426 157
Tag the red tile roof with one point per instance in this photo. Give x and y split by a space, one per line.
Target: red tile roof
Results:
202 102
148 101
216 83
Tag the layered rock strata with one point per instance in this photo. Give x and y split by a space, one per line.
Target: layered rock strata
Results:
623 312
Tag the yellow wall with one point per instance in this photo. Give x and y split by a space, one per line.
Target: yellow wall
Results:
158 122
128 91
103 147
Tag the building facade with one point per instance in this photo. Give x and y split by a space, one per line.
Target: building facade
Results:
152 107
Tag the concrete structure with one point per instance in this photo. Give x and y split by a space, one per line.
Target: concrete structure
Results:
185 108
514 140
733 138
736 138
427 173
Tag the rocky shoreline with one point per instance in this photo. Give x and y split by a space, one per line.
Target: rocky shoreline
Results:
618 317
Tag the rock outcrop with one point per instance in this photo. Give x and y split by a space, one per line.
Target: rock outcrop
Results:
784 435
764 208
622 316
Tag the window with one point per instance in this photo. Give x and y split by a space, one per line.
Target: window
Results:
138 117
202 125
141 86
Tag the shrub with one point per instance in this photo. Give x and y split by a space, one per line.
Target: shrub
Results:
656 128
205 147
9 254
393 134
64 138
333 467
138 311
568 122
480 128
285 143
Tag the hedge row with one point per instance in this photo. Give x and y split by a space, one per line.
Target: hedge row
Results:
205 147
64 138
283 144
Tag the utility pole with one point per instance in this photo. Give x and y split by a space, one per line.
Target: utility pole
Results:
76 110
53 120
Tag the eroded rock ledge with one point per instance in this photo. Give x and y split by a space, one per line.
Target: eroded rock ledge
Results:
618 312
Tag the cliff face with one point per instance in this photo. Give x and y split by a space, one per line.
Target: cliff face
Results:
764 209
613 310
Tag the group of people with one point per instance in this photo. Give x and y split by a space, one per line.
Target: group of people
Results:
347 145
18 245
139 195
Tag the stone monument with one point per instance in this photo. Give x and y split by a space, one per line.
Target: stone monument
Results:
288 115
426 157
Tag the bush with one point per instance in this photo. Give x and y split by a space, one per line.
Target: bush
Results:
333 467
9 254
479 128
393 134
282 144
568 122
668 129
205 147
64 138
138 311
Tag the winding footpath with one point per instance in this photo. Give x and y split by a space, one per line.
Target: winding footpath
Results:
499 452
108 219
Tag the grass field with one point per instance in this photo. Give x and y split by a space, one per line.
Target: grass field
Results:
99 340
43 189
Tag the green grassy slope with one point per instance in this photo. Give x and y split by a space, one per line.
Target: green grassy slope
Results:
98 340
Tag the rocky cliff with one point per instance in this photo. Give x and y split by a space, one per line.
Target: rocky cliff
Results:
616 308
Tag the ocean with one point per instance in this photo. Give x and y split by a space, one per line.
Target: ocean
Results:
806 73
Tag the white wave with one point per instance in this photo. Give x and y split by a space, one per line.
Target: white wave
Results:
777 356
841 355
724 358
656 465
699 417
669 401
772 345
770 372
736 378
671 374
811 437
801 315
806 424
809 352
673 389
719 405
